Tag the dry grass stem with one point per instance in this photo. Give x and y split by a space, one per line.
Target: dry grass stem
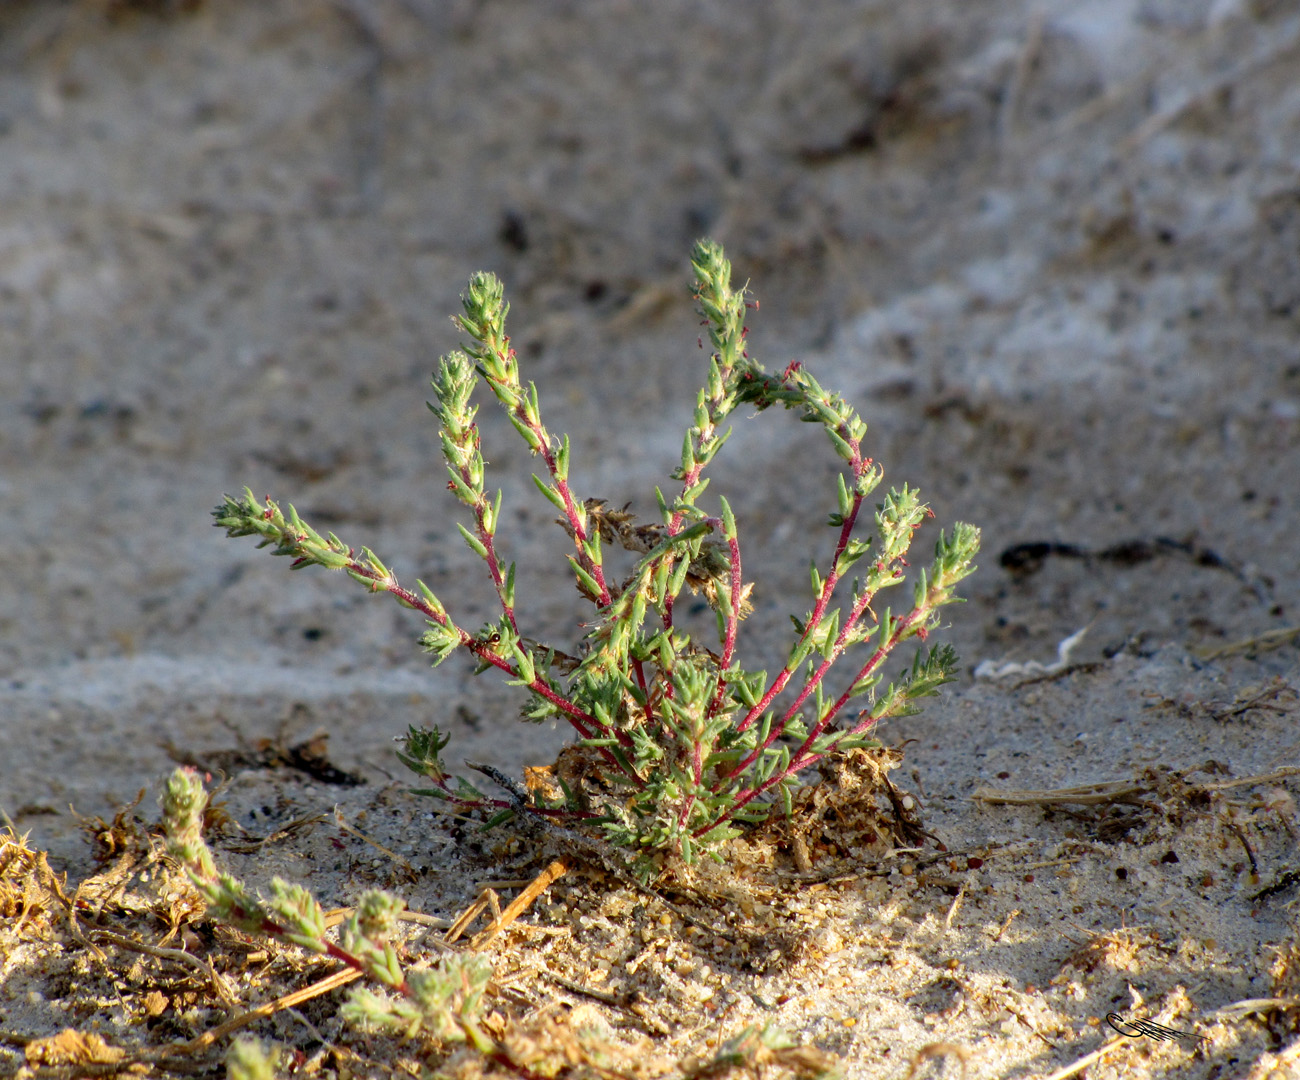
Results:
520 903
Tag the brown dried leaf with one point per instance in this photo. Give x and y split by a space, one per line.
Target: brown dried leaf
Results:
72 1047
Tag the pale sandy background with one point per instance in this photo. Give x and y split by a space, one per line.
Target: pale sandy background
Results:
1051 250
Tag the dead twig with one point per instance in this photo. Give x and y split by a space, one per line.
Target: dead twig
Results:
1123 791
1110 791
1250 781
180 956
1276 49
486 898
939 1049
1088 1059
520 903
1265 642
289 1001
1250 852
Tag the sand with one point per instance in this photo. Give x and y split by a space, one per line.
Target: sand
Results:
1051 251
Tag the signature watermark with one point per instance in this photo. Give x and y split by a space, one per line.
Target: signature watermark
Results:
1135 1029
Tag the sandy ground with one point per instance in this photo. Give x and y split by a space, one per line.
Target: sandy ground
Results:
1051 250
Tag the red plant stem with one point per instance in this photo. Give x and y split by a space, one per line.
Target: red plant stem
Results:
638 667
271 928
674 527
814 680
733 619
583 722
729 643
801 758
580 534
728 650
697 751
819 608
488 541
901 630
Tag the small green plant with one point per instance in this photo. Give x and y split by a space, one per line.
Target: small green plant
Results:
687 742
249 1059
443 1001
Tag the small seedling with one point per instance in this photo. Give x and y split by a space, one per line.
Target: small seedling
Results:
444 1003
680 745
